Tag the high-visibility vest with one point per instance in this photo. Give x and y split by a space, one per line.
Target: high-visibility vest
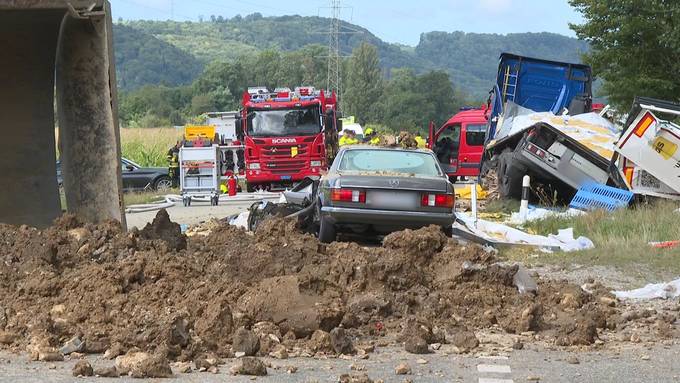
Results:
421 142
344 140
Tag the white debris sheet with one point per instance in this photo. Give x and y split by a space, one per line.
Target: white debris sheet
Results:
537 213
241 220
500 233
652 291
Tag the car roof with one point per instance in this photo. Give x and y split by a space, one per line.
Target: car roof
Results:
393 148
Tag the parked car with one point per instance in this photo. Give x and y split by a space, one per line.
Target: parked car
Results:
380 190
136 177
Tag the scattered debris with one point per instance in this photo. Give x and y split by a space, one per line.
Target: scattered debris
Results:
347 378
82 368
416 345
249 365
341 342
106 372
246 341
72 345
465 341
402 369
275 292
652 291
143 365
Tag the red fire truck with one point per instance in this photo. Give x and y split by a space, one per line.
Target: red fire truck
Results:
288 135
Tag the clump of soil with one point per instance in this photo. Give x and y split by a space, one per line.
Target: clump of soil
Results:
156 292
163 229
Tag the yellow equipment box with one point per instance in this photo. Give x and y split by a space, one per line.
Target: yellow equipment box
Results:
193 132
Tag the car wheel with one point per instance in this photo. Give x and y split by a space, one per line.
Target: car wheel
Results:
326 231
509 184
162 184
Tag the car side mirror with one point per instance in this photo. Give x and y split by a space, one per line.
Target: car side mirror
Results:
129 168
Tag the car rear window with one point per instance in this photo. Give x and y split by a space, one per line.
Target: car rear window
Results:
389 161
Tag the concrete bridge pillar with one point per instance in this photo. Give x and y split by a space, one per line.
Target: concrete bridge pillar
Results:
71 42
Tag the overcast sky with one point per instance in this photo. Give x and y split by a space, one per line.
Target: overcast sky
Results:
399 21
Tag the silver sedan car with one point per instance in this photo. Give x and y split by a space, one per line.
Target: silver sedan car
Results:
380 190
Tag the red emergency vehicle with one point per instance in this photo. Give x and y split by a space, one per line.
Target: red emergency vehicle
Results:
459 143
288 135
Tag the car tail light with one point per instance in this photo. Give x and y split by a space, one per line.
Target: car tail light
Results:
437 200
348 195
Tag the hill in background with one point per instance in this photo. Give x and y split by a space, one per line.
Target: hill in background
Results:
174 53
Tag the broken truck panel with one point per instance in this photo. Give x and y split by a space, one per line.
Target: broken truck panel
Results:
647 158
539 85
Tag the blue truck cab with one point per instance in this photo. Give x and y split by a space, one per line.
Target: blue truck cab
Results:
540 150
539 85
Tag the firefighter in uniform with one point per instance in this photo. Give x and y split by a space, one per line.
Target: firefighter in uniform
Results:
349 138
371 137
421 142
173 164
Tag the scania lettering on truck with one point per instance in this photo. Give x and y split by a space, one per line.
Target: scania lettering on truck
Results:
288 135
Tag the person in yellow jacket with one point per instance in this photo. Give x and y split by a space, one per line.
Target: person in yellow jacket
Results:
370 137
349 138
421 142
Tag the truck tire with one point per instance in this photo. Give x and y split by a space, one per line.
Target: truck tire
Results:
509 181
327 231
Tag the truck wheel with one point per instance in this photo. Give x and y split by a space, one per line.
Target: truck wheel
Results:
509 181
326 231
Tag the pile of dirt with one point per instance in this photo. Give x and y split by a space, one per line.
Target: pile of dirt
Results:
278 291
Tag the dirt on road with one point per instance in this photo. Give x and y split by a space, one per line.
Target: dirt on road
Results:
97 289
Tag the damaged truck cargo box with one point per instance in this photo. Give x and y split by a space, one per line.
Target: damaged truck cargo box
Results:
647 161
540 126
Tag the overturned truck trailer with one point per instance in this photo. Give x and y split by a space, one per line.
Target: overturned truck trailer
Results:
647 161
62 49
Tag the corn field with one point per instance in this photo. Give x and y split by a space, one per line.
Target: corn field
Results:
148 146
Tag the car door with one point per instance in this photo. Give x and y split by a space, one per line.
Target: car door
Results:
446 148
471 148
128 174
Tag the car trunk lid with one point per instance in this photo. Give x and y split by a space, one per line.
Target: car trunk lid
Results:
388 192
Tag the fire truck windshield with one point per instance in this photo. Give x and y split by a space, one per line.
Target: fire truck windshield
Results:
286 122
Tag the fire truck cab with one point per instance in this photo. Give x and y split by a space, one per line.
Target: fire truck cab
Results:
459 143
288 135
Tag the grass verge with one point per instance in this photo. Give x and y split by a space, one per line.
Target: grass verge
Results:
621 239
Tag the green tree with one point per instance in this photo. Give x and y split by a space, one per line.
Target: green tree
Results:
202 103
364 83
635 46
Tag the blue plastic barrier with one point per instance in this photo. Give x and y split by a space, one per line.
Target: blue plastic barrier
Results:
594 196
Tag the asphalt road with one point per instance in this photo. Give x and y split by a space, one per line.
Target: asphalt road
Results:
200 212
639 363
190 215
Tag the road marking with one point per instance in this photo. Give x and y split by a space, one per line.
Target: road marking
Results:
494 380
494 369
494 357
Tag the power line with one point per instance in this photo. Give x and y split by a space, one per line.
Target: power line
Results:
334 79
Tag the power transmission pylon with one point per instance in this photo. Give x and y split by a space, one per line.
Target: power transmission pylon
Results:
334 75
